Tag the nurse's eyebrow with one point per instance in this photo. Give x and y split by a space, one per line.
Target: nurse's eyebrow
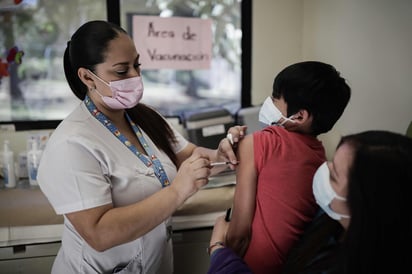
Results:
126 63
121 63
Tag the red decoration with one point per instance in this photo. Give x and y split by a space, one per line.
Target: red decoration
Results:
14 55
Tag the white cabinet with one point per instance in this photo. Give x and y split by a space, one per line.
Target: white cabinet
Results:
189 248
31 258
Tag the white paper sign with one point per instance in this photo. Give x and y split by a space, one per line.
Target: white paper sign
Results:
173 42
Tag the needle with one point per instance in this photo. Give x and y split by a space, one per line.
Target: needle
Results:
221 163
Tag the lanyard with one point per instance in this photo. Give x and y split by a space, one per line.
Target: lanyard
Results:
151 161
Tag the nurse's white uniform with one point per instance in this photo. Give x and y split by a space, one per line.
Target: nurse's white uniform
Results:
84 166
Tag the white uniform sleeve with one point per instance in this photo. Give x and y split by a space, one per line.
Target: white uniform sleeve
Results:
181 141
72 178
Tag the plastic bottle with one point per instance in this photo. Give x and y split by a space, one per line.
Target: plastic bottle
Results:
8 166
33 160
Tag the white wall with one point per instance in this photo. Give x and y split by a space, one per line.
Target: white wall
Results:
368 41
277 35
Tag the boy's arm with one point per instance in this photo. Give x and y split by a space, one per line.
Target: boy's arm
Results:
243 209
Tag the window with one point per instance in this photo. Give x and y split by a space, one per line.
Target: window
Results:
173 91
35 91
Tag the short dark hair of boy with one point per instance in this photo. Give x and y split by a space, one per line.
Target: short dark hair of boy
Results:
316 87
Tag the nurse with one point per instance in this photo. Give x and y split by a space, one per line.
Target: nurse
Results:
114 168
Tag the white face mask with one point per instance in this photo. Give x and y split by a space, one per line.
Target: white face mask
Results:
126 93
324 193
269 114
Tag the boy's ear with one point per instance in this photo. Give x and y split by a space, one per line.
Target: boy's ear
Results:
85 77
302 116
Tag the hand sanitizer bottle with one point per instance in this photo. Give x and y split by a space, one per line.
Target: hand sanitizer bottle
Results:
33 160
8 166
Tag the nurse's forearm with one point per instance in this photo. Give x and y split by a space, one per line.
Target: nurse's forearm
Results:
105 227
125 224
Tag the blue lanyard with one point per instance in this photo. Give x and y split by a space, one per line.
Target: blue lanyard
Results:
151 161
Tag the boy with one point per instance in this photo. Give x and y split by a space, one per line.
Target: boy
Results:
273 199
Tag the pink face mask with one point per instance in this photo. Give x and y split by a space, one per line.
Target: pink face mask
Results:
126 93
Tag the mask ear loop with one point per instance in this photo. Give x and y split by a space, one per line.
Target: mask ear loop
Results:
95 89
107 84
339 197
285 119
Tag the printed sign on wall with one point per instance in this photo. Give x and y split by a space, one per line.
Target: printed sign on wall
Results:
173 42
